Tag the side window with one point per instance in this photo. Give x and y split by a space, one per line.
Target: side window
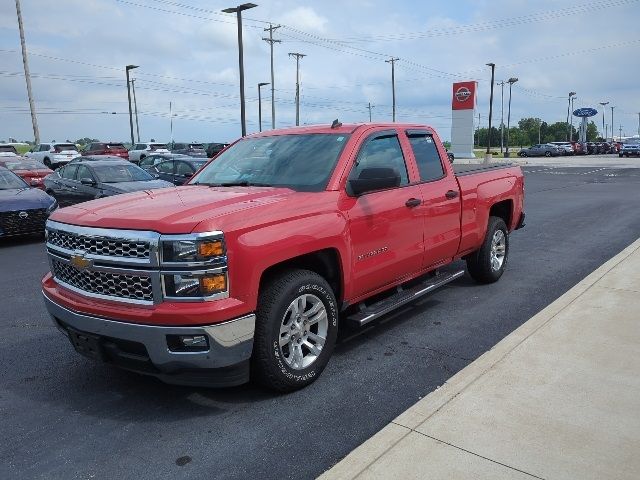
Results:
44 147
139 146
146 162
427 156
69 172
83 172
165 167
382 151
183 168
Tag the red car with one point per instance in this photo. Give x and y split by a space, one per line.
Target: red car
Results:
30 171
107 148
247 271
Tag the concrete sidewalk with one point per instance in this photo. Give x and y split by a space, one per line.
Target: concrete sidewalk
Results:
559 398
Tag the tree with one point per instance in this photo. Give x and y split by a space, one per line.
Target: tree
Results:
592 131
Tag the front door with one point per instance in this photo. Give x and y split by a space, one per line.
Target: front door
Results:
385 227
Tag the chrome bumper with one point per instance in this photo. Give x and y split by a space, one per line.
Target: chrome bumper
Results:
230 343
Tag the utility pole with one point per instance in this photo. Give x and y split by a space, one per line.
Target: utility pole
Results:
511 81
638 123
478 130
502 116
261 84
298 56
271 41
27 75
126 69
370 107
606 132
135 107
612 127
620 133
603 109
171 122
571 94
571 118
493 70
392 61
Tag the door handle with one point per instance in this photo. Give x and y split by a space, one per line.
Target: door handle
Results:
413 202
451 194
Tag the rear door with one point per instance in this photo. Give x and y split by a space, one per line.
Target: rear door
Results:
441 200
386 228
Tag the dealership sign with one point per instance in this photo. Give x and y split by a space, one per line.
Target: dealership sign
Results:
464 96
585 112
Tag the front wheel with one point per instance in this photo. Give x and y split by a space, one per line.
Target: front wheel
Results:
296 329
523 154
547 154
488 263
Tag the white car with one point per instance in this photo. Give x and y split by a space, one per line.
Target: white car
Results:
564 147
141 150
8 150
54 154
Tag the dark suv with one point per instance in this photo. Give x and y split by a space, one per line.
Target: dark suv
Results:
107 148
190 149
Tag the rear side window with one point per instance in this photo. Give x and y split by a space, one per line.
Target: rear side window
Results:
427 156
69 172
165 167
183 168
84 172
383 151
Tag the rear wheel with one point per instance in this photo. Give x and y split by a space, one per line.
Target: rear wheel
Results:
547 154
296 329
523 154
488 263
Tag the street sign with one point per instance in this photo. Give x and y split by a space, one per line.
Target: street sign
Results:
585 112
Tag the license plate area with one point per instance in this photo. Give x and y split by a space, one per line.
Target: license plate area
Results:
86 344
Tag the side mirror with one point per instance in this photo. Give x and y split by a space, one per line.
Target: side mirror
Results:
451 157
87 181
374 178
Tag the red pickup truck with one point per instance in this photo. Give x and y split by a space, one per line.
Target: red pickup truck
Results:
247 271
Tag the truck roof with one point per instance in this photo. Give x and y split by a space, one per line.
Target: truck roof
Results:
326 128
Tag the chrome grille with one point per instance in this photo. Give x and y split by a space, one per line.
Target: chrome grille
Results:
22 221
108 247
134 287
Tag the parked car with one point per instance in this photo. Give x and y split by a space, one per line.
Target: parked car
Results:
23 210
215 148
577 148
190 149
88 180
629 149
591 148
54 154
112 149
540 150
8 151
149 161
247 271
31 171
177 171
565 148
141 150
97 158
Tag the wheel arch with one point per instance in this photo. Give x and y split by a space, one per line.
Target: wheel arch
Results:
503 210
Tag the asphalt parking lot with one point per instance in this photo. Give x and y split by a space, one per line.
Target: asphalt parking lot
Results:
66 417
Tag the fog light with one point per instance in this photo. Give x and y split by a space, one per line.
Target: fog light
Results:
188 343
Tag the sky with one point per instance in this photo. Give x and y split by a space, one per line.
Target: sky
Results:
187 52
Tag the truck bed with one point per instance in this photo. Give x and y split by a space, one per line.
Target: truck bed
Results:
466 169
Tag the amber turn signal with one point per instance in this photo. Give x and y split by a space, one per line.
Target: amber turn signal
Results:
210 249
213 284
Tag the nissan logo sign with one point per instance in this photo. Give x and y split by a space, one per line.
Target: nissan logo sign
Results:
462 94
23 214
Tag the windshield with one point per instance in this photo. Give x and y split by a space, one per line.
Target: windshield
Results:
299 162
120 173
24 165
158 146
10 180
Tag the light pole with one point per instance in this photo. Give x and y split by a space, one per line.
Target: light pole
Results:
511 81
271 41
571 118
238 11
135 107
501 116
612 123
393 61
127 68
603 109
493 70
27 76
571 94
261 84
298 56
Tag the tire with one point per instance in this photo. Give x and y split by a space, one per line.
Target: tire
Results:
547 154
486 265
282 360
523 154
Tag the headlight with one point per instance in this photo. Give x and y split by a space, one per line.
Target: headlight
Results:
194 285
196 250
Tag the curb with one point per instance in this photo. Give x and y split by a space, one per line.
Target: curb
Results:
374 448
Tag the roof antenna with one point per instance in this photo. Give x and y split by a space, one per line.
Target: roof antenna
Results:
336 124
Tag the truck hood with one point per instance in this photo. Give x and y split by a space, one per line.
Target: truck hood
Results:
172 210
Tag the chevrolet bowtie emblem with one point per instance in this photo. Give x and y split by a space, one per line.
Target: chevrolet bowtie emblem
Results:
80 262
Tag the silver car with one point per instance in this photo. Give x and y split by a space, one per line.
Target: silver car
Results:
540 150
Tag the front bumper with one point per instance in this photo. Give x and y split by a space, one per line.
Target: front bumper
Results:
144 348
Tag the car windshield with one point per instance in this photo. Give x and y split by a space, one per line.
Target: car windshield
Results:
158 146
63 147
24 165
10 180
120 173
300 162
